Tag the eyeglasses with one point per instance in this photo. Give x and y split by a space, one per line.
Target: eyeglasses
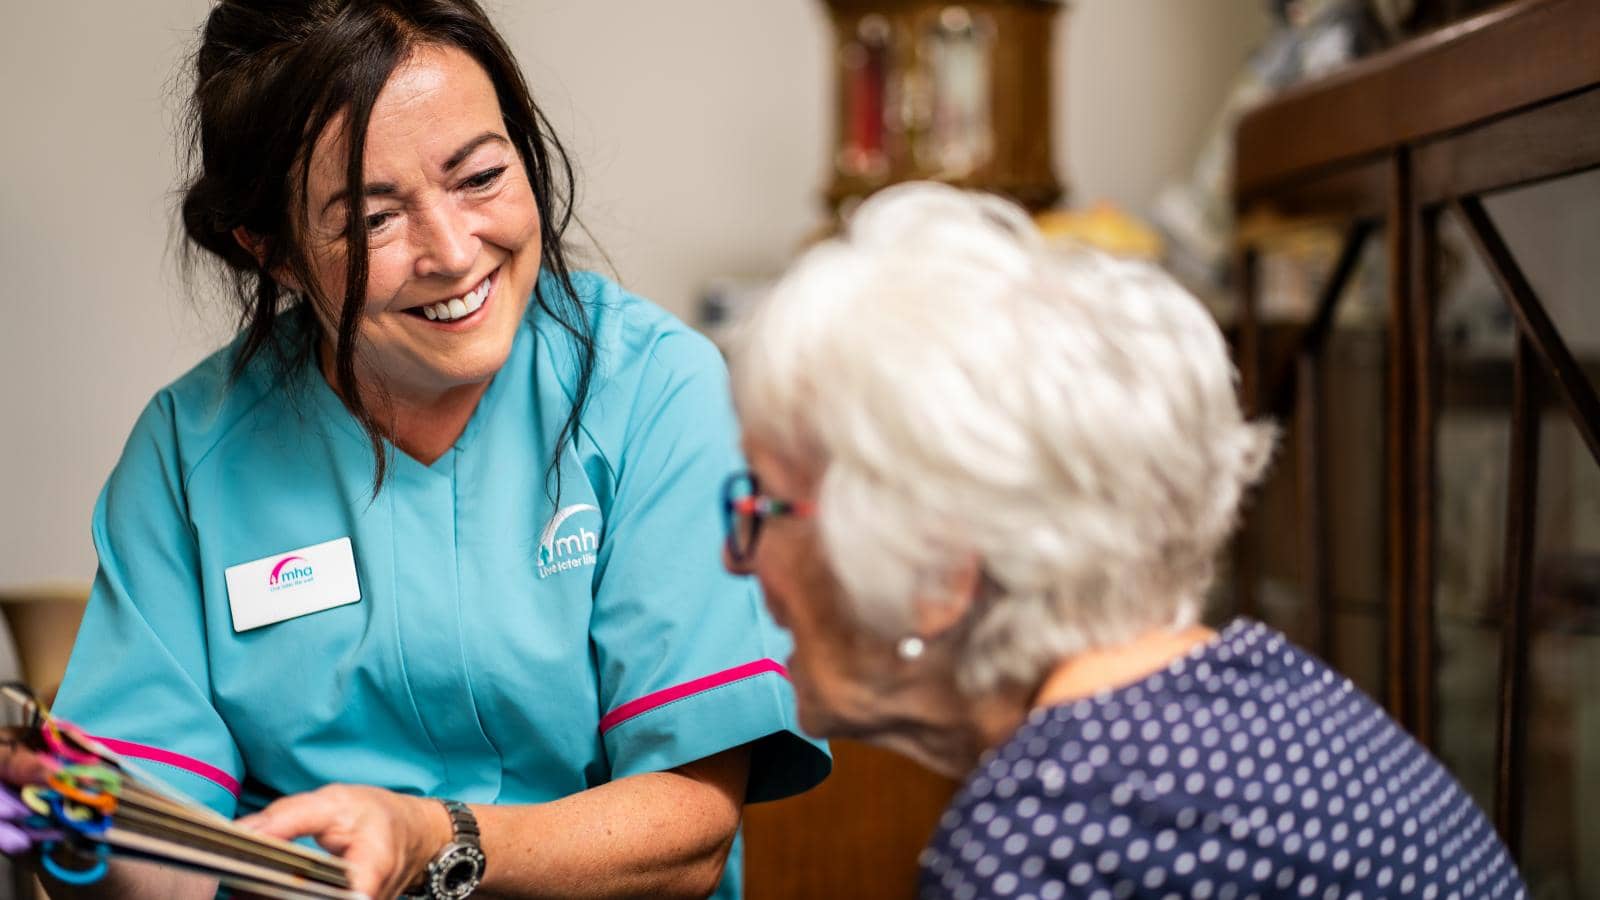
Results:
744 508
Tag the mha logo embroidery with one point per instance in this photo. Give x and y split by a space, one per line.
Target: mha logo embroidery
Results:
289 572
566 543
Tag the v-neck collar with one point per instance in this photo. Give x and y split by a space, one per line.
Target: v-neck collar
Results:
329 406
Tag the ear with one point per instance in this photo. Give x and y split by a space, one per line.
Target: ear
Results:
947 601
256 245
253 244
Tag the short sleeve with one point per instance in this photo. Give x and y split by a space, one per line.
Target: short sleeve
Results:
690 664
138 677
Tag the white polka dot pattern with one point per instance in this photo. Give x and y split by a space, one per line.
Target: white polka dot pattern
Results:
1245 769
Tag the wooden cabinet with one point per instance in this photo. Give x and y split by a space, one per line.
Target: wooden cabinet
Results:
856 836
1392 150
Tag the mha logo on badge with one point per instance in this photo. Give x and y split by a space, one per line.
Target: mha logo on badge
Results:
567 543
291 571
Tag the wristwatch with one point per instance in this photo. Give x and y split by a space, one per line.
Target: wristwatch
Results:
456 869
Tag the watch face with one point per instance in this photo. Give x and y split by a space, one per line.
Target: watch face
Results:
456 872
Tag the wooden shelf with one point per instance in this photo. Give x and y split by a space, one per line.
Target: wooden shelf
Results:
1505 99
1499 65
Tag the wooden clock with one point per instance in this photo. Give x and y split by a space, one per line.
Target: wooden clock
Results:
955 92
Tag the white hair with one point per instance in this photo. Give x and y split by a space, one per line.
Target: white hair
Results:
964 391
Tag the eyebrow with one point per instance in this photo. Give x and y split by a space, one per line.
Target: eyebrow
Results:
387 189
460 156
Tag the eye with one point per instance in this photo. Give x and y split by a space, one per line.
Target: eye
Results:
377 221
484 180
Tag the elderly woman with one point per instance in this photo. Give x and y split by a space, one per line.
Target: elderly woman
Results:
988 483
410 566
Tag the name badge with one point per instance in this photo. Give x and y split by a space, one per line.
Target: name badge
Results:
286 585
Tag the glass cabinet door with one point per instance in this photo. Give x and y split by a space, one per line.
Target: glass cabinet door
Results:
1550 230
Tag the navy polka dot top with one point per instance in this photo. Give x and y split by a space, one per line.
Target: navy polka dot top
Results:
1245 769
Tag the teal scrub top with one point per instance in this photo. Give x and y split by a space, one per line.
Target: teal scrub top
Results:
474 638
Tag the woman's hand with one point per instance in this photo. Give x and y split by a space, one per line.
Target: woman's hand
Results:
18 765
387 839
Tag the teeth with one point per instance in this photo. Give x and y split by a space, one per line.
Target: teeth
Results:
457 307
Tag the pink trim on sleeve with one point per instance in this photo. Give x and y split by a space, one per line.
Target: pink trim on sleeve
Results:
688 689
177 760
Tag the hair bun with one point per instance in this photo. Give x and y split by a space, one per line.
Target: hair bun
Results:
207 223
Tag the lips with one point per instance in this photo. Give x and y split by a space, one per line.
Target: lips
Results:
457 308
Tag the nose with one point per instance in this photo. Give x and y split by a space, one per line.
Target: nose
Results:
447 244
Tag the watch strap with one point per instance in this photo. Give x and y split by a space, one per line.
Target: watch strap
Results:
462 822
464 841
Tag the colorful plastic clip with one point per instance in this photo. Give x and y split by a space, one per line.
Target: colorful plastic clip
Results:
99 795
52 733
85 820
74 876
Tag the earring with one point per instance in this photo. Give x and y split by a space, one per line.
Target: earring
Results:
910 647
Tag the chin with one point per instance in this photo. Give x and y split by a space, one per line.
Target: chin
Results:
818 717
445 380
814 719
815 722
474 365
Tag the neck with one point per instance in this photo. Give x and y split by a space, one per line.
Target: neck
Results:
1107 668
946 731
424 425
939 728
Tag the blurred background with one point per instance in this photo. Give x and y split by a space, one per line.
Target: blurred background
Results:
1247 145
703 131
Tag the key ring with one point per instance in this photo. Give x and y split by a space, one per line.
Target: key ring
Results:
79 818
94 873
52 733
101 803
71 785
36 798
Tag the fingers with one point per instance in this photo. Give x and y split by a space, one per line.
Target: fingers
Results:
317 814
359 824
375 868
18 764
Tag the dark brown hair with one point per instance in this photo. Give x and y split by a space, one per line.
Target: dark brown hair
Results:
270 76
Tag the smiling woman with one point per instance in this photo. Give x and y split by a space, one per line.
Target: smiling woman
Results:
453 245
418 534
463 171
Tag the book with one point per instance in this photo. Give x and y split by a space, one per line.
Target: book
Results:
88 805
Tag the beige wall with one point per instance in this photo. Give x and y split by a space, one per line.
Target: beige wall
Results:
700 126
